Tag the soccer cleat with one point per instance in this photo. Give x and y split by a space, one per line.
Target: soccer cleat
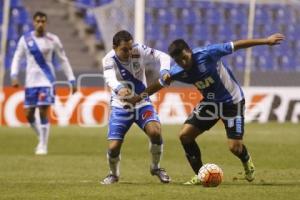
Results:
161 174
41 150
110 179
249 170
194 181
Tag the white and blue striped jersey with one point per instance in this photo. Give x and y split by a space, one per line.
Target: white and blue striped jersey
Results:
49 44
210 76
132 74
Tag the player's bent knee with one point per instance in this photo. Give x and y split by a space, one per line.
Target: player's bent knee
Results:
185 138
153 130
236 147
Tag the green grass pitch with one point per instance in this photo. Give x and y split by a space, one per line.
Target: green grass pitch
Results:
77 161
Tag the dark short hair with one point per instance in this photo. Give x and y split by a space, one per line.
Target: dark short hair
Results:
177 46
39 14
121 36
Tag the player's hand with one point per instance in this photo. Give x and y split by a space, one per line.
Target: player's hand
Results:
133 100
124 92
15 83
167 78
275 39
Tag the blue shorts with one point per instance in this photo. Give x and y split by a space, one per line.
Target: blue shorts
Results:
39 96
120 120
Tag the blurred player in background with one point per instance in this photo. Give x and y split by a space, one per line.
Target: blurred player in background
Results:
223 97
38 47
124 72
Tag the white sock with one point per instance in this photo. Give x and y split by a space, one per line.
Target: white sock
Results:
156 152
35 126
114 165
44 134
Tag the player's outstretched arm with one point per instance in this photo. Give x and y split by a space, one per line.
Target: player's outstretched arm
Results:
271 40
155 87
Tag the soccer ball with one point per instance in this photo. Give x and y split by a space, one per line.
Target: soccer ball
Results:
210 175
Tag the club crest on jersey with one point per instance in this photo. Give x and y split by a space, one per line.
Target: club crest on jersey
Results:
147 114
136 66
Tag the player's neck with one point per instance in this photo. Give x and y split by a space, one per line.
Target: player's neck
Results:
123 60
39 34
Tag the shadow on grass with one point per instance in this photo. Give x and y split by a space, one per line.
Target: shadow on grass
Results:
233 183
263 183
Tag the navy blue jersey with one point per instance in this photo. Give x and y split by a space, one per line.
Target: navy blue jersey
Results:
214 80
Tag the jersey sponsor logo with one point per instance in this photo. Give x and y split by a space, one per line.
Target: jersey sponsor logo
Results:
205 83
147 114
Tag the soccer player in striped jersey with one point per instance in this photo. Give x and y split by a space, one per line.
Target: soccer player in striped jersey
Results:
38 47
125 73
223 97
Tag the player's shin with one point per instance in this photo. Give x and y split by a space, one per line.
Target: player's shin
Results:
156 153
35 126
45 130
243 155
193 154
247 162
113 160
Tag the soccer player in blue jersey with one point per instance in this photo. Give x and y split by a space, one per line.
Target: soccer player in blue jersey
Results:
223 97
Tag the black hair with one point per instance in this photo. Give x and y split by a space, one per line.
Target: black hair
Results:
121 36
177 46
39 14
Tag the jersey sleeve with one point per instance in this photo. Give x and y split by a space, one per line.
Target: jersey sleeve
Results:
110 74
19 54
216 51
63 60
174 73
